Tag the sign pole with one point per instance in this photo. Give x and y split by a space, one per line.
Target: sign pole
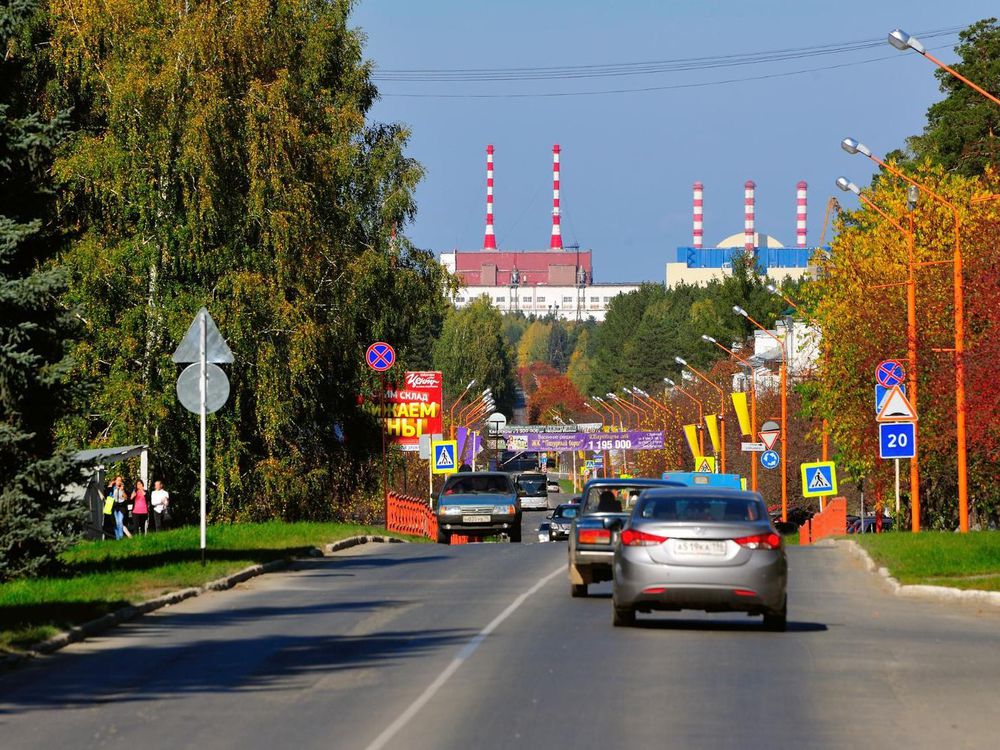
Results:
385 485
897 488
203 379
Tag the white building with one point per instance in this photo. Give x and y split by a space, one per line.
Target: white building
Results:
802 342
540 300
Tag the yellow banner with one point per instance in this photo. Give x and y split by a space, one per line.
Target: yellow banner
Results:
743 413
691 433
712 422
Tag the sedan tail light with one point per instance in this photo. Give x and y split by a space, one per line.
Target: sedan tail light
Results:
760 541
594 536
633 538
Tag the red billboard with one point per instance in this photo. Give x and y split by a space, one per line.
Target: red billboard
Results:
414 409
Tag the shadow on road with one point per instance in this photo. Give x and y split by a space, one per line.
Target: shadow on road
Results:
751 625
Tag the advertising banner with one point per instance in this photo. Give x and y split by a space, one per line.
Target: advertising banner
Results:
414 409
633 440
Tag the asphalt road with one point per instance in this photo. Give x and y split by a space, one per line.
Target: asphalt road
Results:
426 646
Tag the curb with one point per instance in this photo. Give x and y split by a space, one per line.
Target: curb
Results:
919 591
131 612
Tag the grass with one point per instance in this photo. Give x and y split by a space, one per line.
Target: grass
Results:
103 576
938 558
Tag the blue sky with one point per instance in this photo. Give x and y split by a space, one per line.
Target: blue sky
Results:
628 159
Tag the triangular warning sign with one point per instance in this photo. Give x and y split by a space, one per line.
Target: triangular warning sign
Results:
896 408
705 464
819 481
445 458
216 348
769 439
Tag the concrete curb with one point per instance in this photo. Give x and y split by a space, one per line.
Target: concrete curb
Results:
131 612
935 593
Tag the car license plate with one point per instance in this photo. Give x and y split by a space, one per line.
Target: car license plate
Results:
698 547
475 519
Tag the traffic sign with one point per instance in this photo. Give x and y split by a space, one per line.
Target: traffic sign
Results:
896 408
216 388
443 455
881 393
380 356
897 440
495 423
770 459
591 463
216 348
889 373
753 447
819 479
704 464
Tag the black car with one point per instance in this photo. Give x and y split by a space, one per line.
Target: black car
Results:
560 521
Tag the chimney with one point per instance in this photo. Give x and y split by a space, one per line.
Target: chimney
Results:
800 213
748 216
489 241
697 230
556 242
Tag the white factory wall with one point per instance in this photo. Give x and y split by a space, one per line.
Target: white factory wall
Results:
566 302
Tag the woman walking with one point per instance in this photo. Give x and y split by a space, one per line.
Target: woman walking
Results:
120 506
140 510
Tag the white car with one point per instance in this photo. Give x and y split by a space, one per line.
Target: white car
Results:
531 491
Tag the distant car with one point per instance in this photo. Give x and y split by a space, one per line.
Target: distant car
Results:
604 508
532 491
871 525
709 549
561 520
478 504
553 486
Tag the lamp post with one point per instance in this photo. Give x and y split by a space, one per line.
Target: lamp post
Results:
852 146
621 426
601 415
753 402
701 413
630 408
911 331
465 411
722 408
903 41
784 410
451 412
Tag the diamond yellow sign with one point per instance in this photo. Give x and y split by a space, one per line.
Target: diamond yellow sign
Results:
704 464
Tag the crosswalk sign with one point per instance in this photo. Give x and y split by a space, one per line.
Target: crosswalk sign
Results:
819 479
443 457
704 464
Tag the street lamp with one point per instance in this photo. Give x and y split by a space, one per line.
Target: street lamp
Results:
853 147
753 403
722 407
701 413
903 41
784 410
451 412
625 407
911 325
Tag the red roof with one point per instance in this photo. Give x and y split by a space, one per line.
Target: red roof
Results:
493 268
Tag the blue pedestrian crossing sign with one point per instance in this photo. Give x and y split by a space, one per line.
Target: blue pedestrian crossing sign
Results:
443 457
819 479
770 459
897 439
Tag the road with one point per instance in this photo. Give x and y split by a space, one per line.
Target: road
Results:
426 646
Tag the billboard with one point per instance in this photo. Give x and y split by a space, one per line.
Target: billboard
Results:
413 409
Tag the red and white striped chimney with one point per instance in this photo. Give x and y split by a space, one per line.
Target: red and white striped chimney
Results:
748 216
697 227
800 213
489 241
555 243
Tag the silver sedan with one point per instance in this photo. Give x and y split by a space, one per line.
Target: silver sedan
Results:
700 548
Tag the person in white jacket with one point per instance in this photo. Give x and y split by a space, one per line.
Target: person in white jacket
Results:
161 503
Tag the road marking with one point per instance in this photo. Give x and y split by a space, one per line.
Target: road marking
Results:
467 650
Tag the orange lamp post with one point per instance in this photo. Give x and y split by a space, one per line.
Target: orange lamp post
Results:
852 146
629 408
654 405
753 403
911 332
701 413
451 412
722 408
587 405
903 41
784 410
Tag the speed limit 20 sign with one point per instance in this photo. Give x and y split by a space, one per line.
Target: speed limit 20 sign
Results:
897 439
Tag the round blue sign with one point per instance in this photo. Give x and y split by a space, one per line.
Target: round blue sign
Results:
380 356
770 459
889 373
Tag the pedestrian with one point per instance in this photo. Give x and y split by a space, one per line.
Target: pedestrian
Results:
140 509
108 528
120 507
161 506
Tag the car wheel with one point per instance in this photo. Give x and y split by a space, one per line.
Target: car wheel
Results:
622 617
515 535
444 537
578 590
778 620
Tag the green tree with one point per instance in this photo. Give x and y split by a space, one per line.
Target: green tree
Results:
534 344
223 158
473 346
560 345
35 522
581 362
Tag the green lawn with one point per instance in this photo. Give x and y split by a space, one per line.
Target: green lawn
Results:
938 558
104 576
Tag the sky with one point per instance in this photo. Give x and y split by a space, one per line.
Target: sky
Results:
628 159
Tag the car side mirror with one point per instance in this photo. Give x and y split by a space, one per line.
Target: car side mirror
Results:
548 518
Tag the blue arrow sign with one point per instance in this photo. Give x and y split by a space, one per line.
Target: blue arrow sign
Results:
770 459
897 439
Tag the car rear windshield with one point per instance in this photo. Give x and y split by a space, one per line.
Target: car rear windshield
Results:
617 499
565 513
478 484
701 509
531 485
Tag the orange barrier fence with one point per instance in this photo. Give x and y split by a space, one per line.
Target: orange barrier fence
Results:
832 521
410 515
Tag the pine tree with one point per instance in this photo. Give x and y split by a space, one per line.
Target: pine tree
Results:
35 522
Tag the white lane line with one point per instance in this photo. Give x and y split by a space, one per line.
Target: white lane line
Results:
467 650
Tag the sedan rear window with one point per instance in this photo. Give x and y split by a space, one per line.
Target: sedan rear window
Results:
531 485
617 499
700 509
564 513
473 485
